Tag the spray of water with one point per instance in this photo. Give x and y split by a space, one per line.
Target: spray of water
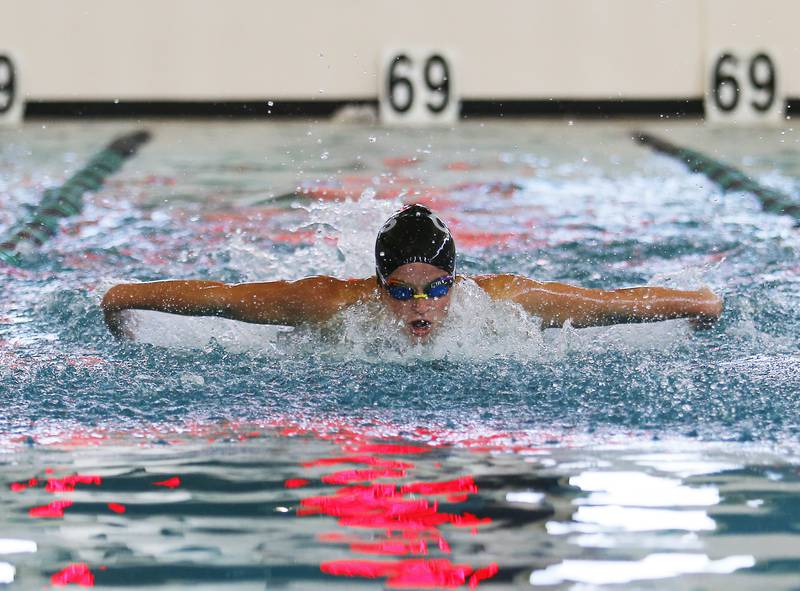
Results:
344 238
477 327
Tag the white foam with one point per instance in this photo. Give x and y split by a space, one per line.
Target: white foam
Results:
7 572
16 546
190 332
476 328
533 498
640 489
654 566
344 240
601 519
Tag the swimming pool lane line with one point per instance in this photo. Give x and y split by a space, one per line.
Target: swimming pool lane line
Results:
725 176
67 200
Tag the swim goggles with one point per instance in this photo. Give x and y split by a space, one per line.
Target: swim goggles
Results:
435 289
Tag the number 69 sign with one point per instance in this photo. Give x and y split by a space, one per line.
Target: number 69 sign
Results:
417 88
744 87
10 97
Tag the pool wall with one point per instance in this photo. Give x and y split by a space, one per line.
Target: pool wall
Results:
311 50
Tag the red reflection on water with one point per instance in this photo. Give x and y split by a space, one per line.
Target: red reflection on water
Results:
173 482
53 509
58 485
74 574
465 484
391 547
369 460
423 519
483 573
68 483
436 573
20 486
295 482
388 448
459 498
399 519
401 161
346 476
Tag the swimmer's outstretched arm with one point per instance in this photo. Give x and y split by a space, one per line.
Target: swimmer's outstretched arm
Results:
312 299
555 303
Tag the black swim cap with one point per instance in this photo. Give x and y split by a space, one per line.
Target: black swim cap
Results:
413 235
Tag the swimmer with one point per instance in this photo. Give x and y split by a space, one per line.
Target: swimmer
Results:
415 278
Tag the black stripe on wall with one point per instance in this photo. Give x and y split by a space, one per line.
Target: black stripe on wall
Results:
692 107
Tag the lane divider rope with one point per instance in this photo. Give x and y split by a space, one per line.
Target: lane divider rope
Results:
67 200
725 176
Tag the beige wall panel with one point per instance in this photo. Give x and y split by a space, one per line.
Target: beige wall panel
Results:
259 49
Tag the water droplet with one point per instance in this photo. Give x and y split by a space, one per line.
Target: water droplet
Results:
372 139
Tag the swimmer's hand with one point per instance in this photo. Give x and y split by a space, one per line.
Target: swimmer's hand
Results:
118 324
115 313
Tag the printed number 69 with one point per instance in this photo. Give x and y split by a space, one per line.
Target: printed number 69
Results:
400 87
760 76
7 84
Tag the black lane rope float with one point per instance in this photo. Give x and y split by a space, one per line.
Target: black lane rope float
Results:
726 177
67 200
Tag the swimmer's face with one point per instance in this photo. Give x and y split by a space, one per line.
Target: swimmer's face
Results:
418 317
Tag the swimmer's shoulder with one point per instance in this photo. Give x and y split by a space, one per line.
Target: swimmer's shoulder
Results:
361 285
318 297
324 291
353 290
502 285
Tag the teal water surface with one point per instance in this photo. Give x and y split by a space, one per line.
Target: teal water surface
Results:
649 454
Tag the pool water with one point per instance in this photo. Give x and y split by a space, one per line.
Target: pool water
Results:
225 455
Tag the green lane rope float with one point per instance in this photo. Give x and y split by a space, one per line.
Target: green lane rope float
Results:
725 176
67 200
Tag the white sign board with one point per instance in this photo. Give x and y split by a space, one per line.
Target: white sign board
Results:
418 87
744 86
11 103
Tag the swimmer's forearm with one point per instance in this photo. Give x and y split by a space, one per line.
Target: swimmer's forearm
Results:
556 303
190 297
639 304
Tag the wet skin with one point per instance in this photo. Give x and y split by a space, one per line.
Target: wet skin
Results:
418 317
